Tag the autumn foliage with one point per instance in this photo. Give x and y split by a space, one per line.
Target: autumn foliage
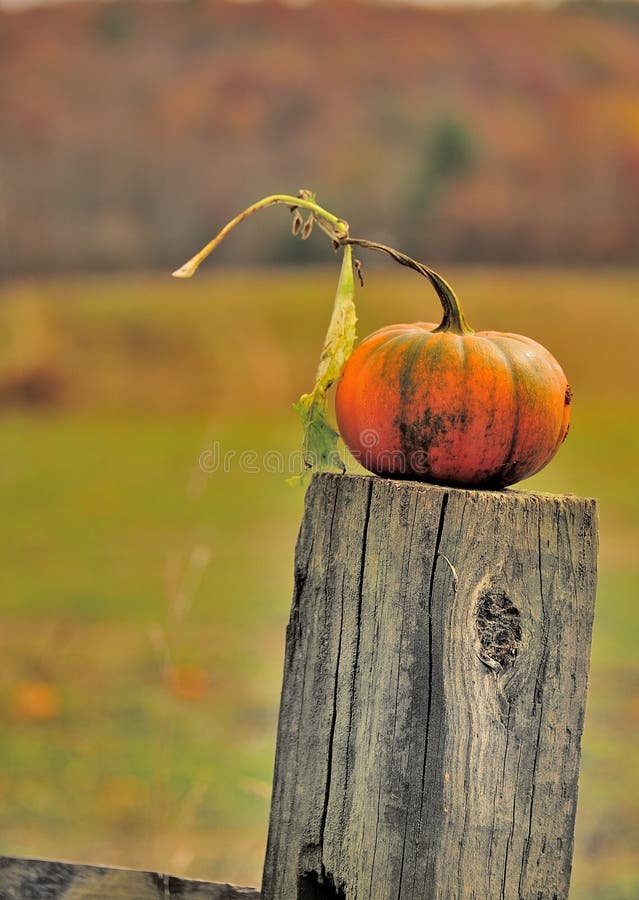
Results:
130 130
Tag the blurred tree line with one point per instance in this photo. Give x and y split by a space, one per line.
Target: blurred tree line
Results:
129 132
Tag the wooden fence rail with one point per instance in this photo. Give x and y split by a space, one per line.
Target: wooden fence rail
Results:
432 704
40 879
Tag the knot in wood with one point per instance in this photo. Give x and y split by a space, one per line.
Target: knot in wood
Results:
314 886
498 628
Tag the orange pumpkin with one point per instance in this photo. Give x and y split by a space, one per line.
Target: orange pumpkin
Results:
447 405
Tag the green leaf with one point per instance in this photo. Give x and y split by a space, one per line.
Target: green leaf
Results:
320 438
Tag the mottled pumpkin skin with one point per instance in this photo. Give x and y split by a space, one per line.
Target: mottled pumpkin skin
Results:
473 410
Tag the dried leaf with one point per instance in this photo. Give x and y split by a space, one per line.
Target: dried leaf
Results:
320 438
307 228
297 222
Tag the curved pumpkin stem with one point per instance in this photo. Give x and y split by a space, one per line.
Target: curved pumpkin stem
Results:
454 319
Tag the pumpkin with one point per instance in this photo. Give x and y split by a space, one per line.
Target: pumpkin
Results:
450 406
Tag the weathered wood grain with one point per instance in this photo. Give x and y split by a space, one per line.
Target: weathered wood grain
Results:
433 697
41 879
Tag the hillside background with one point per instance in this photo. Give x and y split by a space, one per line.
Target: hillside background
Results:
129 131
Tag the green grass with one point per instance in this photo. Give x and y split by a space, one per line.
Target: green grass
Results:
122 562
107 526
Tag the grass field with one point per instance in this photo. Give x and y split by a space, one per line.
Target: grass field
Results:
144 601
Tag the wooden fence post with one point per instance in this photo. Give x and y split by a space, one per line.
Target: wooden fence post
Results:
433 698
